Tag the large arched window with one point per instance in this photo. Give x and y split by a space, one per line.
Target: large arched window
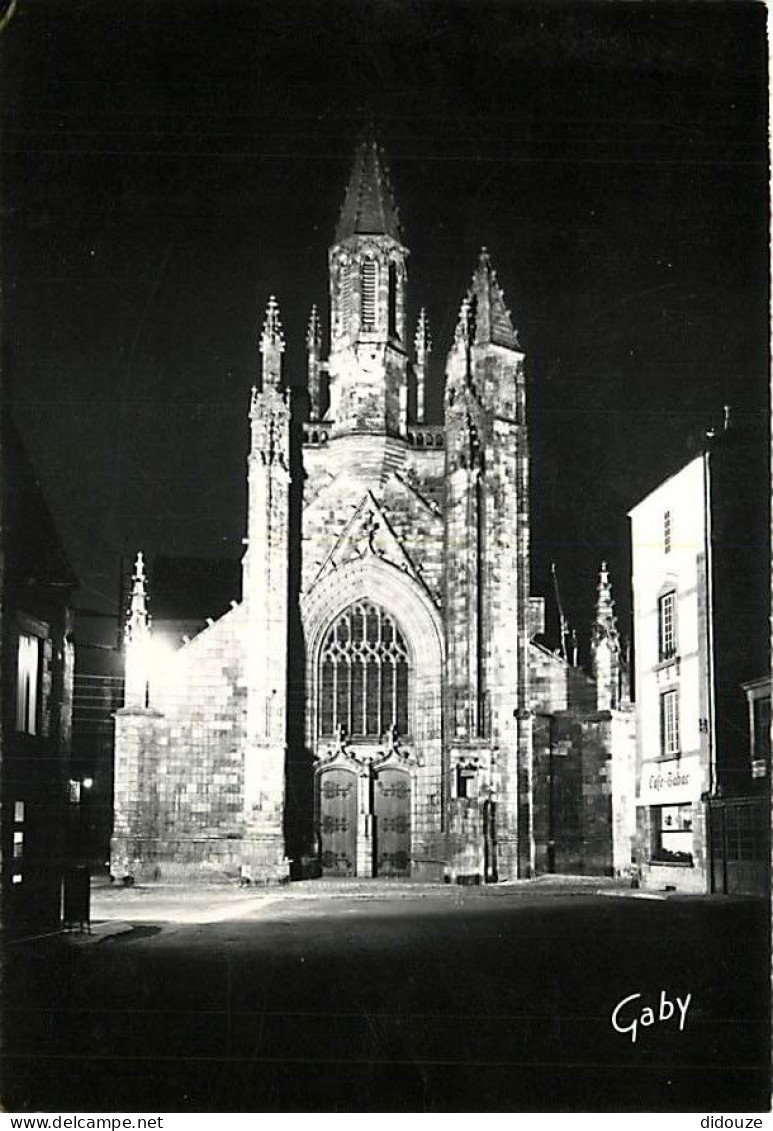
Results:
363 674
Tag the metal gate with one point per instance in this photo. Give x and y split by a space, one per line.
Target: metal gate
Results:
338 822
392 825
739 832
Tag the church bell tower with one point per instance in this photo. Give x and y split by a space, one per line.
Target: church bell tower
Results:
368 364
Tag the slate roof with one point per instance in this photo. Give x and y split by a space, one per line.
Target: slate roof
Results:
369 207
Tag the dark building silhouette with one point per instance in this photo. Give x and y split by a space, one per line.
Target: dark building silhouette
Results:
38 803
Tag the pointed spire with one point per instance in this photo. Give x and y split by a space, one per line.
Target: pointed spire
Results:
458 366
493 321
138 607
463 333
422 344
272 344
313 330
314 346
606 621
137 640
369 207
272 334
605 646
422 340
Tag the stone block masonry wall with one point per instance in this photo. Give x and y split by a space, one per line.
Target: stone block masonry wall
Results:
420 532
338 477
623 781
179 770
428 805
324 522
573 778
465 839
506 579
555 685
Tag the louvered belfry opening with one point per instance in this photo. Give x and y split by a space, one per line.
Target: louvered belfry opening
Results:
363 675
369 287
392 312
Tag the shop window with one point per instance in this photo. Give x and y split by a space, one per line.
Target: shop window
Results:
673 834
667 626
669 722
27 684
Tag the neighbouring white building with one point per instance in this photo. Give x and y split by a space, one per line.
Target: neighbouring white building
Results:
701 623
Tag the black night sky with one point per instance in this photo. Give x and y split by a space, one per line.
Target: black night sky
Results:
169 165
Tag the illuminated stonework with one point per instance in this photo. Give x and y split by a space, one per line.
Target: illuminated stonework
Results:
367 708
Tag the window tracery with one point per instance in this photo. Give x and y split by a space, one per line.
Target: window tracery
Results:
363 674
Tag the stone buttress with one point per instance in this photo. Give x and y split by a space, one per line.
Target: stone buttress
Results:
265 599
487 589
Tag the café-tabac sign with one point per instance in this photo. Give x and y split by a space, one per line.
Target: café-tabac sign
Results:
672 782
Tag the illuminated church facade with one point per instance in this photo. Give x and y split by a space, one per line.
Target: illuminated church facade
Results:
368 707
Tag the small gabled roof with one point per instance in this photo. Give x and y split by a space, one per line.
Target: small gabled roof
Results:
369 207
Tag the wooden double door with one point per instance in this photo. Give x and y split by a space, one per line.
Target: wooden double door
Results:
388 851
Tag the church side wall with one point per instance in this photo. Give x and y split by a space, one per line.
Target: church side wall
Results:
573 762
179 766
556 685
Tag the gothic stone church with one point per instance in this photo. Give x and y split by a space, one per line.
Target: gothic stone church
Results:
368 707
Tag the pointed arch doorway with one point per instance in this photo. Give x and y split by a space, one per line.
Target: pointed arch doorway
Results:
363 693
374 648
364 814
